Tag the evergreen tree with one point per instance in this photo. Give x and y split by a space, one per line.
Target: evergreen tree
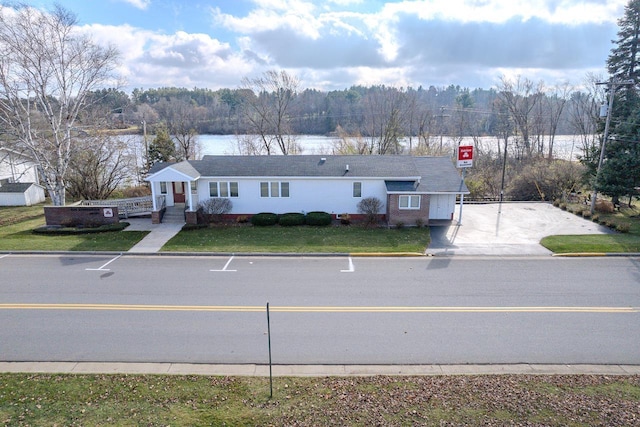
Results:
623 59
620 173
162 148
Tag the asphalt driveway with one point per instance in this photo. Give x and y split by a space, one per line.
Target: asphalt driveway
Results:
513 229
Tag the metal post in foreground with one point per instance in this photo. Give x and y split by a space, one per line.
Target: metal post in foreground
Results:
270 363
461 199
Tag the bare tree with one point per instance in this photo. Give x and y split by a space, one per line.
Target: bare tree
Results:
583 117
267 101
47 69
98 165
520 96
384 119
556 100
182 118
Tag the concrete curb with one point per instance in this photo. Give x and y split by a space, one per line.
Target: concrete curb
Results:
597 254
262 370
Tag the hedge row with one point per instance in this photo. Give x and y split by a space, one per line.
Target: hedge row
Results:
291 219
62 231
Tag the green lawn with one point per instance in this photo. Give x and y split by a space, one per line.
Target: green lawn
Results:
16 225
303 239
154 400
592 243
626 219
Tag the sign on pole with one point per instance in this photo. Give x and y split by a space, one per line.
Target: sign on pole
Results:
465 156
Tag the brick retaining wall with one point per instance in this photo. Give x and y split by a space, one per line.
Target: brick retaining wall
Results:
84 216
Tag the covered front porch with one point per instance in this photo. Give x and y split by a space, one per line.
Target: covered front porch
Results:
174 188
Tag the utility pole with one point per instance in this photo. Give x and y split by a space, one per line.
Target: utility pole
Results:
612 85
441 116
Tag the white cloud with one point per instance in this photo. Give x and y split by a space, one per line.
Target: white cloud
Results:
139 4
150 59
333 44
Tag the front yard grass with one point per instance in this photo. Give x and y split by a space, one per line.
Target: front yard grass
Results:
17 224
127 400
303 239
626 219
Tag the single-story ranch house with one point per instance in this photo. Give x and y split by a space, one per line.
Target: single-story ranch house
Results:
410 188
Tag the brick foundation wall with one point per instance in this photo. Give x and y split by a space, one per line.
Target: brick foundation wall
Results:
191 217
156 216
84 216
407 216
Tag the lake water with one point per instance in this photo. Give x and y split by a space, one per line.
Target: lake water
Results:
565 146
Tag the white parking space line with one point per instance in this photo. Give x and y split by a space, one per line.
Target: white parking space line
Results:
4 256
102 267
226 266
351 267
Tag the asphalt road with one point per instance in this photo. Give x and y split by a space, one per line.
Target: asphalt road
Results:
325 310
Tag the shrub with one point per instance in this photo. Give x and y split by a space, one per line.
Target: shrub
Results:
623 227
604 206
345 219
586 213
291 219
595 218
213 209
563 206
139 191
264 219
318 218
242 219
399 225
191 227
117 226
370 207
419 222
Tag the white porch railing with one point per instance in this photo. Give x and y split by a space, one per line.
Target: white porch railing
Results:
126 207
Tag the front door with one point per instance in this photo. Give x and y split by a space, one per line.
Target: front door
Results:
178 192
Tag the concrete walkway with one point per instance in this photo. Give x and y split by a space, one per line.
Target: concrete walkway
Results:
312 370
159 234
510 229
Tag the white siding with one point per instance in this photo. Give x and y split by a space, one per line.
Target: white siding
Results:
17 168
305 195
32 196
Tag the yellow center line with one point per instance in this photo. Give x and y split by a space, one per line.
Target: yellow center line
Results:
320 309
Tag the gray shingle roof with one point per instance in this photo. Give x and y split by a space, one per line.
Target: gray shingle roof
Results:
306 165
436 174
15 187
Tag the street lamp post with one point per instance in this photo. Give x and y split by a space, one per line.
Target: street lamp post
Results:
613 85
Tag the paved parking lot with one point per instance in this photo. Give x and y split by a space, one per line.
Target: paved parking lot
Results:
512 229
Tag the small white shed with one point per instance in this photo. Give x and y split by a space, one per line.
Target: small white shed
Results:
21 194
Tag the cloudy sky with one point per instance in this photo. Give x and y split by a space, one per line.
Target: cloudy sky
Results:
333 44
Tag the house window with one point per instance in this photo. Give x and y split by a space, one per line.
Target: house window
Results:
223 189
274 189
409 202
357 189
194 187
163 188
